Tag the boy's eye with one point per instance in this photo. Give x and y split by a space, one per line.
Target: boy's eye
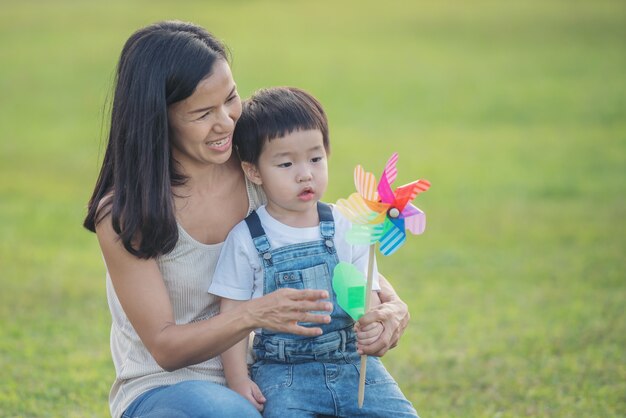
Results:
284 165
316 159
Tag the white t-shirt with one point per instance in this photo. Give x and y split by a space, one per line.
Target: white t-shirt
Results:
239 273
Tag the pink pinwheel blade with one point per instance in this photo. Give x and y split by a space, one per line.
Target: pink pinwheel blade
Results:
414 219
386 180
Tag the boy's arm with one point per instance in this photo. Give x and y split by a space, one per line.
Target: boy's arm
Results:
235 367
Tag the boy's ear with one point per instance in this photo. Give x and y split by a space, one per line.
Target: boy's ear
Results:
251 172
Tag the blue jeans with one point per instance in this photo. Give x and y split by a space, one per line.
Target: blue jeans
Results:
191 399
314 389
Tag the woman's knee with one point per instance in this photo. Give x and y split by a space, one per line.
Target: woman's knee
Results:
196 399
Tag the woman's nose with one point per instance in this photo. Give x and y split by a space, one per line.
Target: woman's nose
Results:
225 121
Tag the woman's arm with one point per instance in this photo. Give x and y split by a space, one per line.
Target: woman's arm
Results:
393 313
142 293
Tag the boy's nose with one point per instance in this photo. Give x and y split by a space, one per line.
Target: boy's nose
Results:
303 177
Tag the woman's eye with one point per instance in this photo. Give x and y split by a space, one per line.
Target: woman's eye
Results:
204 116
284 165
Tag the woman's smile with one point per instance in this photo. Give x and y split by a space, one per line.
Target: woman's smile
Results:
221 144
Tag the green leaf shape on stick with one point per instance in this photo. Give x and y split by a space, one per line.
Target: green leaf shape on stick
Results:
349 286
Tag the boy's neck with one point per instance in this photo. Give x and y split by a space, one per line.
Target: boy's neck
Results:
294 219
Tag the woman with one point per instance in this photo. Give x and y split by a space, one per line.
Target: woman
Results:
168 192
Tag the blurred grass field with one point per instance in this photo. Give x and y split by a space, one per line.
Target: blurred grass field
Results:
515 111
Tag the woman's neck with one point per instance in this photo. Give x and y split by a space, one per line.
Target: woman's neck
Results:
209 178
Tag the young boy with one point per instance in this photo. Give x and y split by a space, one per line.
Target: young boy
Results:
295 241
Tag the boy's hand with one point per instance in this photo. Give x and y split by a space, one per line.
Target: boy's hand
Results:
249 390
393 313
369 333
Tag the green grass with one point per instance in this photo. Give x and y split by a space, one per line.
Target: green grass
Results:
515 111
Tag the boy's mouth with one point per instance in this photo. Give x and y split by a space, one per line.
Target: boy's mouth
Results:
307 194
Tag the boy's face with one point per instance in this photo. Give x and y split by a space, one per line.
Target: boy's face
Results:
293 172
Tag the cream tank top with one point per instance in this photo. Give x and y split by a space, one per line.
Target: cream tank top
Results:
187 272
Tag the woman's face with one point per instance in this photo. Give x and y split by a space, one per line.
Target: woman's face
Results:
202 125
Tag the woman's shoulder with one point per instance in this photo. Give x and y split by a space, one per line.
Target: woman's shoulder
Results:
256 196
103 211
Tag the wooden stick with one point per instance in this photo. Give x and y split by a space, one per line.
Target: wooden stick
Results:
368 292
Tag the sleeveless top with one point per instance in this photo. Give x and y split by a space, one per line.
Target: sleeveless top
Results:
187 272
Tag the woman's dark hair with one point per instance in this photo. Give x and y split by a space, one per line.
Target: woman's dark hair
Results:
275 112
159 65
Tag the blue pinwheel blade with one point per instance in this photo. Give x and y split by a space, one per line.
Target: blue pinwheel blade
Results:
393 236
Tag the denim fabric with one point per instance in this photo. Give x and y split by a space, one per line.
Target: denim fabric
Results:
316 376
314 389
306 265
191 399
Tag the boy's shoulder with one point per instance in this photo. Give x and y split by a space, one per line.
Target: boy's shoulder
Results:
240 232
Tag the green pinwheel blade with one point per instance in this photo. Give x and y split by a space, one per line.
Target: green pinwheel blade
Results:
349 286
364 234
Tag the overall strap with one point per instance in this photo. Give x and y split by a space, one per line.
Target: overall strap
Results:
261 243
327 225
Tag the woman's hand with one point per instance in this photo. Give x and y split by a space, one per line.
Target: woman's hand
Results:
282 310
393 313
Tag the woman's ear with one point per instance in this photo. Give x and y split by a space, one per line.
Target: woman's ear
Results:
251 172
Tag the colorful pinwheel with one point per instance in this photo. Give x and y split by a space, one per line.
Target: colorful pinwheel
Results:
380 214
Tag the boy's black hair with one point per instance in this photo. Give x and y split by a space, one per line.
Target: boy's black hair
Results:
273 113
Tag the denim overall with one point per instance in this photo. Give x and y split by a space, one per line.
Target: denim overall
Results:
315 376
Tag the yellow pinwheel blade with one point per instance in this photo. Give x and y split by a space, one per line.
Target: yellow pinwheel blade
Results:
355 209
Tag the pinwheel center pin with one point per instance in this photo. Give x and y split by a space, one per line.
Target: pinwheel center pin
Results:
394 212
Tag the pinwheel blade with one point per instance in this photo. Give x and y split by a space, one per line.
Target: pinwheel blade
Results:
355 209
393 236
364 234
414 219
349 285
378 207
405 194
389 175
365 184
